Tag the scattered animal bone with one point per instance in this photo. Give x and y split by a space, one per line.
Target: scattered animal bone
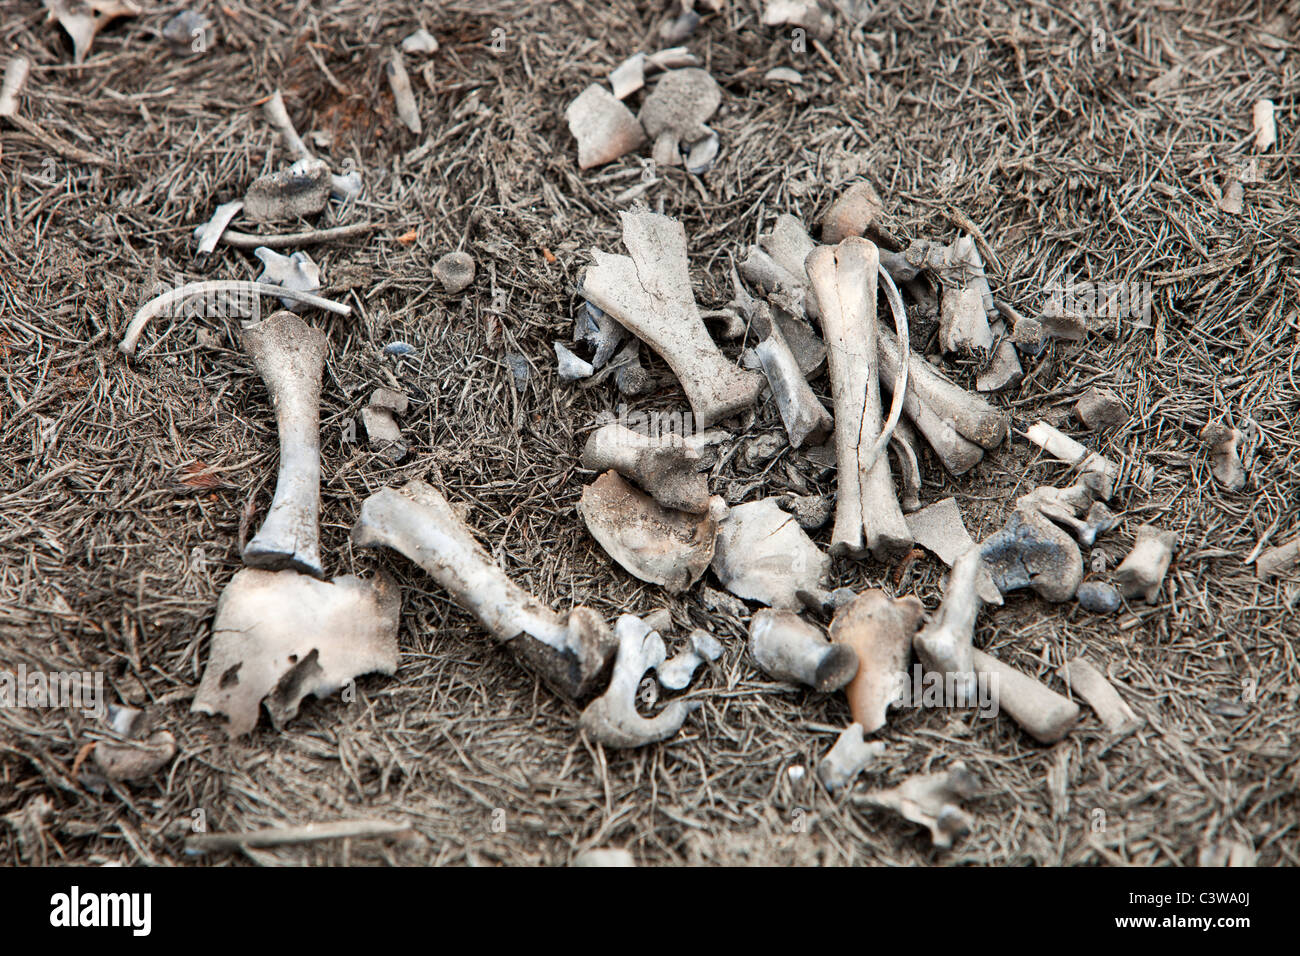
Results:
1223 853
848 758
763 555
630 376
1044 714
803 415
403 97
667 467
83 19
454 271
880 630
290 356
1089 683
1065 448
963 323
676 672
851 214
296 272
674 113
1101 409
1233 199
1073 507
134 759
1225 463
1003 369
1098 597
933 800
309 237
189 30
1032 552
1277 560
761 269
788 648
1144 569
600 331
16 70
945 644
279 636
278 116
867 514
907 455
611 857
416 521
381 427
653 543
570 367
159 305
939 528
807 14
209 234
630 75
702 154
612 719
421 41
649 293
299 191
1265 125
807 348
604 128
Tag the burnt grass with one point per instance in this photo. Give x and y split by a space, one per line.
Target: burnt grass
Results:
127 488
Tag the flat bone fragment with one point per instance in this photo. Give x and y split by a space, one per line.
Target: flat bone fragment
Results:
568 653
939 528
649 293
676 672
963 323
134 759
1277 560
1101 409
1044 714
421 41
802 414
1032 552
851 214
571 367
383 432
1143 571
880 631
403 98
278 116
667 466
294 193
1003 369
290 357
807 14
1089 683
788 648
297 272
604 128
933 800
628 76
83 19
1265 125
848 758
945 644
763 555
454 271
1065 448
1225 463
675 111
651 542
16 70
210 233
612 719
867 513
279 636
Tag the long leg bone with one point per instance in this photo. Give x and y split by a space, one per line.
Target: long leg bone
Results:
880 630
1043 713
932 800
803 415
944 645
848 758
290 356
788 648
1089 683
666 466
416 521
1144 568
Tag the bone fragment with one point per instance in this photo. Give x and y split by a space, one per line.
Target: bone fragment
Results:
649 293
612 719
454 271
244 240
851 214
600 331
297 272
1073 507
630 376
628 76
880 631
675 111
570 367
676 672
299 191
610 857
1144 569
963 323
210 233
804 417
1101 409
278 116
383 432
1225 463
908 457
16 70
421 41
667 467
403 98
788 648
969 415
134 758
1265 125
702 154
1044 714
811 511
83 19
1277 560
604 128
1098 597
1032 552
939 528
945 644
807 14
294 836
1233 199
783 74
848 758
1065 448
1003 369
763 555
1089 683
933 800
416 521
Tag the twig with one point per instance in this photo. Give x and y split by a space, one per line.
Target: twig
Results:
286 836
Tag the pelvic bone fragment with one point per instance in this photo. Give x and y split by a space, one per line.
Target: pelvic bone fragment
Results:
945 644
848 758
932 800
649 293
788 648
1089 683
880 631
1044 714
763 555
804 417
416 521
666 466
612 718
1144 568
280 635
290 356
1032 552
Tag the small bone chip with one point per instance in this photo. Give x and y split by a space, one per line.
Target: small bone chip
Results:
301 190
604 128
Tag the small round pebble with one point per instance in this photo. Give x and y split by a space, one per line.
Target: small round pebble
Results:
1098 597
455 271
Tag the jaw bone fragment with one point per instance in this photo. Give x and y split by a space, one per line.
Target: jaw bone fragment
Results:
612 719
649 293
666 467
676 672
604 128
400 83
674 113
1033 552
651 542
763 555
299 191
880 630
944 645
1062 446
788 648
1225 463
83 19
16 71
416 521
297 272
1043 713
848 758
932 800
280 635
803 415
939 528
1089 683
1144 569
290 356
867 514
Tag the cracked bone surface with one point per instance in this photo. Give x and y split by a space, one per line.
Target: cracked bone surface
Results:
651 542
867 513
939 528
945 644
933 800
667 466
1144 569
1043 713
763 555
1032 552
1225 462
802 414
1082 677
676 672
880 631
788 648
280 635
612 719
649 293
290 357
568 653
848 758
1062 446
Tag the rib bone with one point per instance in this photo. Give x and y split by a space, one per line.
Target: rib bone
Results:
788 648
880 630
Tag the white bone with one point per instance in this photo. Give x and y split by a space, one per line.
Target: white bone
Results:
84 20
963 323
848 758
1277 560
1225 463
16 71
932 800
1065 448
609 857
763 555
788 648
880 630
209 234
667 467
570 367
421 41
907 456
939 528
1044 714
1265 125
945 644
676 672
603 126
1144 569
404 99
297 272
802 414
799 13
1089 683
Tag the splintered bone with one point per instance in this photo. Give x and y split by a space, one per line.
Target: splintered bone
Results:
939 528
667 467
651 542
604 128
674 113
1040 711
933 800
209 234
290 356
945 644
848 758
83 19
880 631
1265 125
299 191
612 719
807 14
1144 569
788 648
1089 683
1225 463
963 323
403 98
1062 446
676 672
802 414
569 654
762 270
1032 552
649 293
297 272
16 70
279 636
763 555
851 214
1003 368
